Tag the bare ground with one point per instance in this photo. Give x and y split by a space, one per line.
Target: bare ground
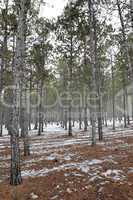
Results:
63 168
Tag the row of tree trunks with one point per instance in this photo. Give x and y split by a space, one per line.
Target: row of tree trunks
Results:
128 64
125 43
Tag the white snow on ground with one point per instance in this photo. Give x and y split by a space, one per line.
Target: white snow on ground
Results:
4 158
50 143
54 129
34 196
82 166
50 130
55 156
55 144
114 174
92 168
130 170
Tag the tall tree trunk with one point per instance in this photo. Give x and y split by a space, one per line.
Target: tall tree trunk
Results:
85 113
24 124
127 107
22 7
113 93
93 55
100 131
1 122
40 129
30 101
80 118
124 109
125 43
3 59
85 95
131 8
65 122
15 177
70 84
99 102
127 62
106 120
132 107
21 111
9 96
70 120
22 85
36 112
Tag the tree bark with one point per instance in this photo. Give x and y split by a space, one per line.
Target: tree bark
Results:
93 57
40 129
70 84
3 59
125 43
22 8
85 114
80 120
113 93
131 8
30 101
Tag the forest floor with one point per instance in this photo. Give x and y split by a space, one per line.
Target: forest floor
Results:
68 168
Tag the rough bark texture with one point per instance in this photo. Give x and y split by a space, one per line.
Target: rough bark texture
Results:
85 118
65 122
70 84
125 43
80 119
3 60
131 8
93 68
40 129
22 8
113 93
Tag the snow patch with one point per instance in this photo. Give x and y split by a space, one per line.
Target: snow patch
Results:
34 196
82 166
114 174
